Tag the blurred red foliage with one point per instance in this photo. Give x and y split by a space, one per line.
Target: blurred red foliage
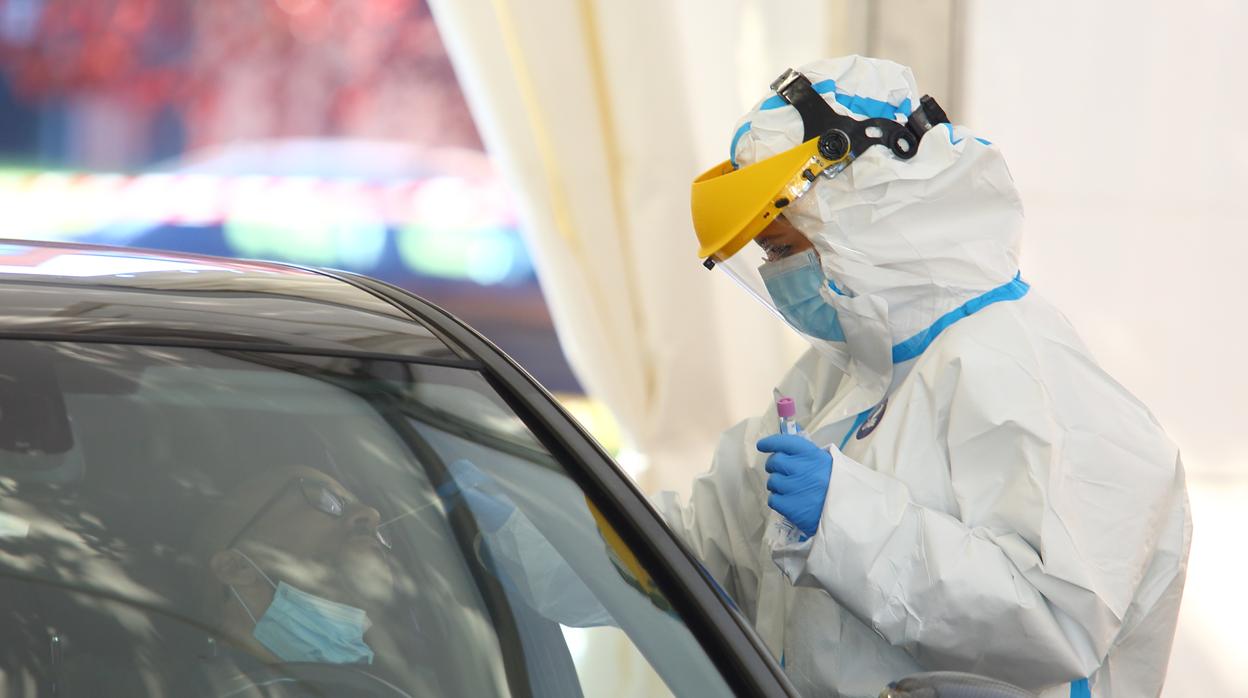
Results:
245 69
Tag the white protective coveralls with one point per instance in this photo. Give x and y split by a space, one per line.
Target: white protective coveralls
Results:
1002 506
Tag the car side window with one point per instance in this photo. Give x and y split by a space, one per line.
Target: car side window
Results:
181 522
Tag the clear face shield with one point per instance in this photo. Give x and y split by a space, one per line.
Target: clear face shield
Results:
748 237
781 269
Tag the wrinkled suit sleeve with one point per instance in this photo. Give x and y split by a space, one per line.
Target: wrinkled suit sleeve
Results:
1026 569
722 522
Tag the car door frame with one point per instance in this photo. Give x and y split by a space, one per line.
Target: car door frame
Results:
724 633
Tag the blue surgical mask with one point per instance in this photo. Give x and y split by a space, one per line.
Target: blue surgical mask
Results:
303 627
794 283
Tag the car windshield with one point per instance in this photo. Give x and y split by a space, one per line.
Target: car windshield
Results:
186 522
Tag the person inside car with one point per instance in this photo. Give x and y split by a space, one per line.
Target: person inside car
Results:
295 571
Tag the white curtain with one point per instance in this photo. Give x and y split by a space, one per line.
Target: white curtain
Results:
595 112
1122 124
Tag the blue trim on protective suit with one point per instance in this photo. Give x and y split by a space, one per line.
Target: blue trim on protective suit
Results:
1080 689
832 285
916 345
732 149
862 417
863 106
949 126
873 108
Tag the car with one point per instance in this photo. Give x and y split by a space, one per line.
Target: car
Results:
139 389
240 478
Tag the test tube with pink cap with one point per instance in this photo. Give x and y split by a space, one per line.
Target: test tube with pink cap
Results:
781 531
786 410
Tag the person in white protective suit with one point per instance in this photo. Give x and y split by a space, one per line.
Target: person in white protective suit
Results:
979 495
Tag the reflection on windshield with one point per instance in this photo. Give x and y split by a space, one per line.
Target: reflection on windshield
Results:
188 522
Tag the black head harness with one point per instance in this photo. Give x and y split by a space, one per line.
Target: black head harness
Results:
840 135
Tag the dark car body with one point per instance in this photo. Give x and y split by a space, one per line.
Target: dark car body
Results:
121 323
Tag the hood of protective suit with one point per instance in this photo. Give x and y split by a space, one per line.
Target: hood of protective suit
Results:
908 245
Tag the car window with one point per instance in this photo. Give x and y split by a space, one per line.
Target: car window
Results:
184 522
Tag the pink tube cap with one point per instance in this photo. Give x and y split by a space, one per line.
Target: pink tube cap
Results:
785 407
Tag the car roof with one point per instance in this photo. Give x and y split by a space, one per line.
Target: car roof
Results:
78 292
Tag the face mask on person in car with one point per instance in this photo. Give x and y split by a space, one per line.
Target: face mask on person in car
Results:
303 627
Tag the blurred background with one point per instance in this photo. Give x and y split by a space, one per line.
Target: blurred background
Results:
526 166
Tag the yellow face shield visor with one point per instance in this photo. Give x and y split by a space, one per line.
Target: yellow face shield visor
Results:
732 206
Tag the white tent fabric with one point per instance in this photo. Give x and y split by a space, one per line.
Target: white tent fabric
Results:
1145 256
583 105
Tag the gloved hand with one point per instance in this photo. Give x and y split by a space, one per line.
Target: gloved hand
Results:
485 499
799 478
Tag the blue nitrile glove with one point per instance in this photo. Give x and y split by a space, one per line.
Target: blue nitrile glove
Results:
484 497
799 478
